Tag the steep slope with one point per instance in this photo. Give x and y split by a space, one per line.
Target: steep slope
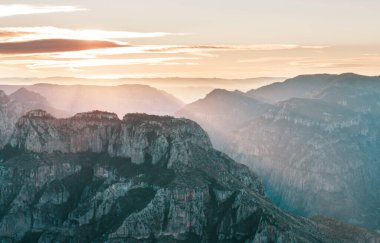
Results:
320 155
95 178
119 99
221 112
16 105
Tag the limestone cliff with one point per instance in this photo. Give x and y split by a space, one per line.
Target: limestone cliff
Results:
137 136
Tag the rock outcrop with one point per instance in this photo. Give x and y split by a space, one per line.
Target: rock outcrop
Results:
139 137
95 178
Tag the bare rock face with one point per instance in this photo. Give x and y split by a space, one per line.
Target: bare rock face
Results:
140 137
95 178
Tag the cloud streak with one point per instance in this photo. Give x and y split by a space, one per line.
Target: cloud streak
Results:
198 50
46 64
259 47
12 34
7 10
47 39
54 45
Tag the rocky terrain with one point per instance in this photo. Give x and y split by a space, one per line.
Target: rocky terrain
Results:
96 178
319 153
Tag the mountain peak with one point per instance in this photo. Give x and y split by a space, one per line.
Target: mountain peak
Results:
22 90
24 95
220 92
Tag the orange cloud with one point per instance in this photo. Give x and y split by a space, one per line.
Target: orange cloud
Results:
54 45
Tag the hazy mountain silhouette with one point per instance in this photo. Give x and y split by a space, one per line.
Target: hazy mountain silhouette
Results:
119 99
302 86
186 89
221 112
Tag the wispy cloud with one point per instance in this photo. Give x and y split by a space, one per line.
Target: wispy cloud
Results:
44 64
272 59
197 50
12 34
259 47
34 37
331 63
54 45
47 39
7 10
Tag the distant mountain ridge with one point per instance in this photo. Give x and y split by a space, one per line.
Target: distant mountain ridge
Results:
225 83
304 86
222 111
119 99
186 89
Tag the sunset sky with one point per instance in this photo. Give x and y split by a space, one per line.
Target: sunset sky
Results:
188 38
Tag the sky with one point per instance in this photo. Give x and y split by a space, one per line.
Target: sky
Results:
188 38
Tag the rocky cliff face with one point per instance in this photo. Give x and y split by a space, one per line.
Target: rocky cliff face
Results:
320 155
141 140
95 178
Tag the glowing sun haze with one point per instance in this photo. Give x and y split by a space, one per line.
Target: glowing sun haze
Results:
181 38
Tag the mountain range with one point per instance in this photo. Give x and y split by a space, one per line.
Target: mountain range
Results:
185 89
119 99
316 146
311 146
95 178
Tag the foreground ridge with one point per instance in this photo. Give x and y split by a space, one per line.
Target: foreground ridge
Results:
96 178
141 137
